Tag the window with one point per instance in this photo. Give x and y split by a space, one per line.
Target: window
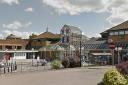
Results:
111 33
0 46
121 32
19 47
126 32
8 47
121 36
116 33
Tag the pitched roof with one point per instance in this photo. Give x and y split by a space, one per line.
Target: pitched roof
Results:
48 35
121 26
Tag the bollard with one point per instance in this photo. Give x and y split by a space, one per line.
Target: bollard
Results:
11 67
4 70
8 69
21 66
15 67
37 67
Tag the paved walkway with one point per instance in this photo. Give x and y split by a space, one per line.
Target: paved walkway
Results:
75 76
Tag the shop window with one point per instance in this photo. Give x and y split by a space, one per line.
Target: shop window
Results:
8 47
1 47
19 47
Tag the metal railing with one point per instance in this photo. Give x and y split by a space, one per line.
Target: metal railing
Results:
23 67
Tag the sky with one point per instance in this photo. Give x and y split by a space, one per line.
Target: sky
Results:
24 17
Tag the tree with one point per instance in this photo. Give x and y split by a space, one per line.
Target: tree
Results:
32 36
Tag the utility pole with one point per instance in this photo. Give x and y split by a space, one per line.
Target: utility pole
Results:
80 49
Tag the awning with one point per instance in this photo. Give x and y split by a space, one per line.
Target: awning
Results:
96 54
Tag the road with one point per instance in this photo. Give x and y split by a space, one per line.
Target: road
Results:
75 76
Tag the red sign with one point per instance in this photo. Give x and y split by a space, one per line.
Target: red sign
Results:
112 45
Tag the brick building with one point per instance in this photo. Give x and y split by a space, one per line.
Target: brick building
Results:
43 39
119 35
13 42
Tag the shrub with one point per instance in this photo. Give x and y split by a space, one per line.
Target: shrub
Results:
123 67
74 62
71 62
113 77
56 64
65 62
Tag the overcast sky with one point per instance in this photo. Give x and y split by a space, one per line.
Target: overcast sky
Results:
23 17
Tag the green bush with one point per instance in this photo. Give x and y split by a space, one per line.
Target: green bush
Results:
56 64
113 77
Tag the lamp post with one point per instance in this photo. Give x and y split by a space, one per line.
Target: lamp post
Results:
118 49
80 48
15 66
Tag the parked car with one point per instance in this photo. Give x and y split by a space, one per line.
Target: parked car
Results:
42 62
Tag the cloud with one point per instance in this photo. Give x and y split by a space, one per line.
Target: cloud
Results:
10 2
74 7
30 9
1 36
118 14
97 35
16 25
24 35
117 9
28 24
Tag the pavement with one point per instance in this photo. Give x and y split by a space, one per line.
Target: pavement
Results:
70 76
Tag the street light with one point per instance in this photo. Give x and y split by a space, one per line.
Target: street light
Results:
80 48
14 60
118 49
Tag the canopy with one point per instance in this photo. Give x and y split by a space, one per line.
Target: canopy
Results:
52 48
57 47
98 54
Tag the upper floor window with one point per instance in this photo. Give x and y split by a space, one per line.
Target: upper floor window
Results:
126 32
116 33
121 32
112 33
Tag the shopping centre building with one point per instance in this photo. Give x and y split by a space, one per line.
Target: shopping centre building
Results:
98 50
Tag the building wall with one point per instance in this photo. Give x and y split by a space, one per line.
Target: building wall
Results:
11 47
71 38
118 35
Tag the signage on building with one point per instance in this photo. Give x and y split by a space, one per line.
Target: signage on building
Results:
111 44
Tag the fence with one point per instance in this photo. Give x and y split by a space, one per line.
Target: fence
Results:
23 66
